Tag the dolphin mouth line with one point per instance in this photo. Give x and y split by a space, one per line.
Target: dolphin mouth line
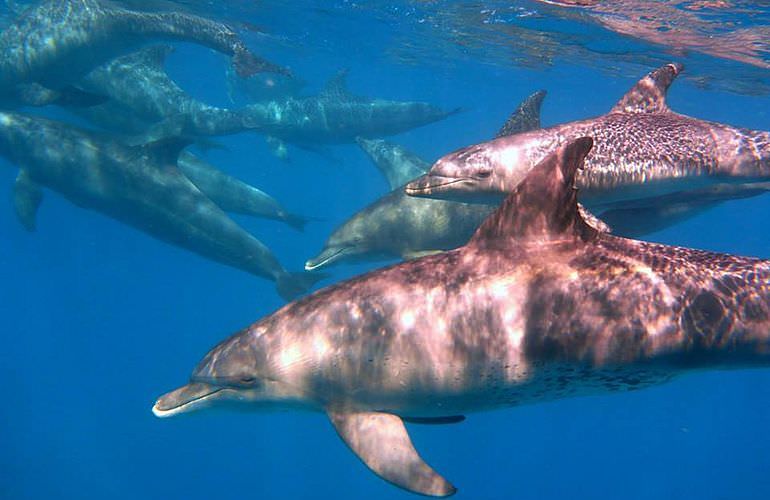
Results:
312 267
170 412
412 190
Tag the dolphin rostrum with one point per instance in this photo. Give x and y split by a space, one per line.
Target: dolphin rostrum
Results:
643 150
52 45
537 306
138 185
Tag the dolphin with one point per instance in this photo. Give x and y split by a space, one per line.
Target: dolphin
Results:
141 94
138 185
336 116
233 195
538 306
401 226
643 150
51 46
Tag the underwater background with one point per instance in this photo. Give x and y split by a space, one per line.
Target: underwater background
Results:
98 319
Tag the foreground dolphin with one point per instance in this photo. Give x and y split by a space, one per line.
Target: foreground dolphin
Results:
141 93
52 45
643 150
233 195
537 306
140 186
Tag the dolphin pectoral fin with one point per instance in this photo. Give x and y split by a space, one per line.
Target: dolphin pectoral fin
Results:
452 419
380 440
416 254
27 196
166 151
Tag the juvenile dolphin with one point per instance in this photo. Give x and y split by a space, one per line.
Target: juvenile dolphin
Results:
138 185
52 45
537 306
141 93
233 195
643 150
401 226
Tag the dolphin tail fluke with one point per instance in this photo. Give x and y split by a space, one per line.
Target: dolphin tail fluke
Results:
381 441
247 64
292 285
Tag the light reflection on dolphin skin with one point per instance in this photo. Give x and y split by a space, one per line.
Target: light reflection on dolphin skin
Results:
538 306
643 150
56 42
138 185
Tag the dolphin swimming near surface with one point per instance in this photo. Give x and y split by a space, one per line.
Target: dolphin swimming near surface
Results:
140 93
537 306
643 150
138 185
233 195
51 46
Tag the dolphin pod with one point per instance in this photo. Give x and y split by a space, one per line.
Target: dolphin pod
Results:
643 150
537 306
90 32
138 185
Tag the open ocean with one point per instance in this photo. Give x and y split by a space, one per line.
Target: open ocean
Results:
98 319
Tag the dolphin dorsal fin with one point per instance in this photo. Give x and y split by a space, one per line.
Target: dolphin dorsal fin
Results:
381 442
649 93
544 206
397 164
166 151
337 86
525 118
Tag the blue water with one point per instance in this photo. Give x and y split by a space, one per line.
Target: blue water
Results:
98 319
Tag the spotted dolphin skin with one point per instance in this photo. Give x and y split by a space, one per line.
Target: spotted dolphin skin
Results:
138 185
537 306
55 43
643 149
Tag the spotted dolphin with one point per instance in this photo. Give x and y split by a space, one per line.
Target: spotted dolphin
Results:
538 306
138 185
52 45
643 150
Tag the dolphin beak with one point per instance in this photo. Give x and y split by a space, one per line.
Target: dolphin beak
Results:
184 399
326 257
430 184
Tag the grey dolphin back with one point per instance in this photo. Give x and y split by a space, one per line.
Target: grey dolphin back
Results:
649 93
381 441
525 118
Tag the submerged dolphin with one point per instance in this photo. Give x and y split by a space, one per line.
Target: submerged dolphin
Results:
233 195
141 93
52 45
336 116
643 150
537 306
138 185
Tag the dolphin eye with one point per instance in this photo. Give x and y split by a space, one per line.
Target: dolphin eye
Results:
245 381
483 174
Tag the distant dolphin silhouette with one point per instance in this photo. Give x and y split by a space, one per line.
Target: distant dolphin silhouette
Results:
140 186
52 45
538 306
